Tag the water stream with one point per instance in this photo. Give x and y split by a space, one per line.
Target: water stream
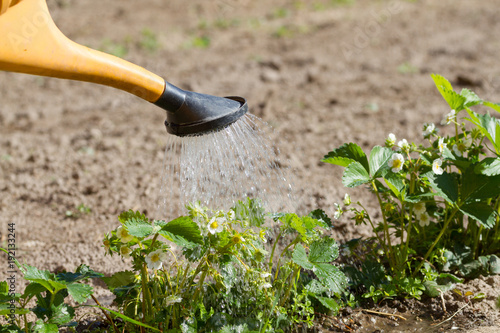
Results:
224 166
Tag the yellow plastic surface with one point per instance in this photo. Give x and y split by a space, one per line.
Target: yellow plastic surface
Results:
31 43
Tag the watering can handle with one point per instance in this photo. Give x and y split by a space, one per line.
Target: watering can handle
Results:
31 43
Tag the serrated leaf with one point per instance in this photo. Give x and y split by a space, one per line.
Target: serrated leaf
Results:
82 272
490 166
45 278
441 82
80 292
481 212
119 279
488 125
184 227
130 214
138 227
41 327
299 257
355 174
323 250
454 100
445 185
346 154
331 277
471 98
61 314
322 218
395 184
33 289
379 156
328 303
478 187
494 106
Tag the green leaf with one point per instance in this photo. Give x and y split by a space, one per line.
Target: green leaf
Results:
488 125
131 215
355 174
379 156
119 279
494 106
471 98
323 250
299 257
322 218
45 278
494 262
130 320
5 310
82 272
441 82
490 166
331 277
80 292
395 183
61 314
481 212
433 289
478 187
454 100
138 228
185 228
41 327
345 155
328 303
445 185
33 289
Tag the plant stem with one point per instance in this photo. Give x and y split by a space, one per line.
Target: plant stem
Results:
274 249
387 236
295 241
105 314
294 275
441 233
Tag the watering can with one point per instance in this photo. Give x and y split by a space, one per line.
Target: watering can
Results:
31 43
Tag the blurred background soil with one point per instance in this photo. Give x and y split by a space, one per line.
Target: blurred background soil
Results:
74 155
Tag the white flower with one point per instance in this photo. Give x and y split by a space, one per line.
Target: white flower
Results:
216 225
461 147
231 215
125 251
403 145
347 199
449 117
396 162
390 141
265 275
436 166
338 211
441 145
123 234
267 285
154 260
419 208
429 129
424 219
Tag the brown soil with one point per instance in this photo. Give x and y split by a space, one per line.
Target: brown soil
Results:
320 72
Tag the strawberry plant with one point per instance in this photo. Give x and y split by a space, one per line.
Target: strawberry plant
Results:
438 202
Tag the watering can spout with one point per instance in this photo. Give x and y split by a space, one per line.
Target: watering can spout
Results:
31 43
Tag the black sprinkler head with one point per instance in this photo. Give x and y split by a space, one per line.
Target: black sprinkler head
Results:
190 113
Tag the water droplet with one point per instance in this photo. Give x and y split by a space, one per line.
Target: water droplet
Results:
224 166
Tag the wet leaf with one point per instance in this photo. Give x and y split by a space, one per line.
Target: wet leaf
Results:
346 154
354 175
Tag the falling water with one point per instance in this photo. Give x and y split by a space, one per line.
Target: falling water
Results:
225 166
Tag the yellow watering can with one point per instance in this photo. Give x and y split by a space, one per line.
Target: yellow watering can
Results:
31 43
